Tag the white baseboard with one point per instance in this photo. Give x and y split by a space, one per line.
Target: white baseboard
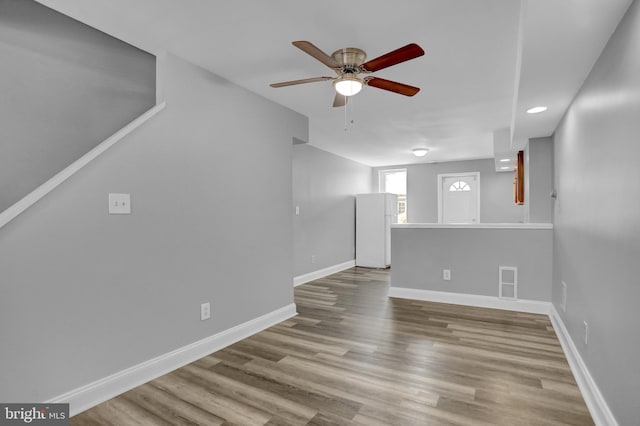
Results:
321 273
530 306
598 407
90 395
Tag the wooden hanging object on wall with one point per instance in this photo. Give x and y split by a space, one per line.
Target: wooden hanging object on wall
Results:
518 179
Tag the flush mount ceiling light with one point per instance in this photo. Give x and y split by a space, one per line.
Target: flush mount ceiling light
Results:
420 152
504 160
505 168
348 85
536 110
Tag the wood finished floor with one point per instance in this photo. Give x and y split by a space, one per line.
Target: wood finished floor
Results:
355 357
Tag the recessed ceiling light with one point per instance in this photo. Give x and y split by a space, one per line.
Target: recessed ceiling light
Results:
504 160
537 109
420 152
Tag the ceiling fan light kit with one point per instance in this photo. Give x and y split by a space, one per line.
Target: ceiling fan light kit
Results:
349 62
348 85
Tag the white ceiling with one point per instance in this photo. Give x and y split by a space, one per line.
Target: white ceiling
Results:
486 62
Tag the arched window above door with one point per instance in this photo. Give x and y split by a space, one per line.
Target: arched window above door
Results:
459 186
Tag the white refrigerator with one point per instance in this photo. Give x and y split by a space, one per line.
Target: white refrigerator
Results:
374 215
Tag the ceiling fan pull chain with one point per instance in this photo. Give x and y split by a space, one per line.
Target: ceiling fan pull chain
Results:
345 117
348 105
352 109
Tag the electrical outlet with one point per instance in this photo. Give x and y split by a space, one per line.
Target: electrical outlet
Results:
297 210
313 258
563 301
586 332
446 274
205 311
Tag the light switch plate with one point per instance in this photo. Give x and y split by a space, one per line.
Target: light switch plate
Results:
119 203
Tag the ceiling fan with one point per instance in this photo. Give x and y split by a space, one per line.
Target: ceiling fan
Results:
349 62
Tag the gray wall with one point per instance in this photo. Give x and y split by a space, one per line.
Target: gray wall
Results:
324 187
473 256
496 191
539 180
597 219
65 88
85 294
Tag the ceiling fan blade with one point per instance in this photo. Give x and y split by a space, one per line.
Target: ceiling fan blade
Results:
410 51
340 100
311 49
303 81
392 86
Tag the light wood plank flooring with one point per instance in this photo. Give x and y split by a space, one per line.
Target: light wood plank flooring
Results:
355 357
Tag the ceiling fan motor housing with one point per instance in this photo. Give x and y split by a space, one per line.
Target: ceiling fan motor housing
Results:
350 59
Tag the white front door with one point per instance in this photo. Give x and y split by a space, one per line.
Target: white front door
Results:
459 198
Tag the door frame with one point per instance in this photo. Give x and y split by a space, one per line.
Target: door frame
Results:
442 176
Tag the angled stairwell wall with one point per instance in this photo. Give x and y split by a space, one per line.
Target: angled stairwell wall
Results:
92 303
65 88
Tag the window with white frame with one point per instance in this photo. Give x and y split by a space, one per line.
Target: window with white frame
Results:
395 182
459 186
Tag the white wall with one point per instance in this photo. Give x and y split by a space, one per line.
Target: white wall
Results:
324 188
538 179
85 294
496 190
597 219
65 88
